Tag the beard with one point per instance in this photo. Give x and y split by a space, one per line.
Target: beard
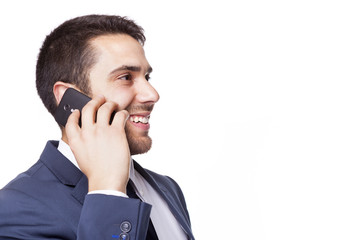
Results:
139 143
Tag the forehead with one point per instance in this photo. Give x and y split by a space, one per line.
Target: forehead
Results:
118 49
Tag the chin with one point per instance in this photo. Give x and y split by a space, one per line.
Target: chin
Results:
139 141
139 145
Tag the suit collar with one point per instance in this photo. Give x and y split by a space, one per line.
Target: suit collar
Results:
64 170
162 190
59 165
81 189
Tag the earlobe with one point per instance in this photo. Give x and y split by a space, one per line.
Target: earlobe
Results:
59 90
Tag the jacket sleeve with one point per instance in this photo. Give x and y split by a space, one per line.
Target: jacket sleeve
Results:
102 217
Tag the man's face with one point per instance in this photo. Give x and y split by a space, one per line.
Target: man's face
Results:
121 74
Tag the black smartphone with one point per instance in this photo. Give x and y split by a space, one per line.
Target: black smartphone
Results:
71 100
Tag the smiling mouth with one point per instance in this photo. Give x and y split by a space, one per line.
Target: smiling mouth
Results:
140 119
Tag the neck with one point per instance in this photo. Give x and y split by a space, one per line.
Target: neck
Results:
64 136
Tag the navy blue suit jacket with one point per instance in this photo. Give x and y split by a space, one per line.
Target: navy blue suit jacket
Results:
50 201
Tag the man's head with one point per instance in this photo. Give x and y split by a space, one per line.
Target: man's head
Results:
100 54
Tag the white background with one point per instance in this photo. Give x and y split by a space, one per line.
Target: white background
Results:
258 119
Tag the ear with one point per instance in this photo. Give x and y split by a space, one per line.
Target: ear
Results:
59 90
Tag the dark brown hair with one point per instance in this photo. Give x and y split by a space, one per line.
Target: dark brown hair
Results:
67 56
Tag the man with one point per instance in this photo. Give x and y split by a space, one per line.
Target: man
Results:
86 186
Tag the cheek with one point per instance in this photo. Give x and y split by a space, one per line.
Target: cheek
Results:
123 98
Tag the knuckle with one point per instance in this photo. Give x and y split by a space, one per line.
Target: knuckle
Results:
109 105
89 106
86 108
121 115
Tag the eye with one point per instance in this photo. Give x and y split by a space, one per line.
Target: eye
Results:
124 77
147 77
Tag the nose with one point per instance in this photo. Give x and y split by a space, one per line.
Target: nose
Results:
146 93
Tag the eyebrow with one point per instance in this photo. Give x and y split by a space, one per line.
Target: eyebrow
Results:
130 68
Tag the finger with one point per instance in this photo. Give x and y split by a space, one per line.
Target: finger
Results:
104 113
120 118
72 127
88 113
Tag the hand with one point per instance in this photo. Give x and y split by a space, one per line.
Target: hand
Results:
101 149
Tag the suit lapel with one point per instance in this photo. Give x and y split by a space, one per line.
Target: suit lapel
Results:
59 165
162 190
66 172
81 189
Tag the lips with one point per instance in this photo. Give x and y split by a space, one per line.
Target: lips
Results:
141 121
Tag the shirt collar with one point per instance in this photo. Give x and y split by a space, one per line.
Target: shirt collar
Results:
66 151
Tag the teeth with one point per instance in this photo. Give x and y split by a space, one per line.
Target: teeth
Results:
139 119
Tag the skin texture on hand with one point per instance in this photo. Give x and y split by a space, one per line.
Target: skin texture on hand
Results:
101 149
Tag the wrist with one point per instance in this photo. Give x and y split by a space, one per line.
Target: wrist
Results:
110 193
107 184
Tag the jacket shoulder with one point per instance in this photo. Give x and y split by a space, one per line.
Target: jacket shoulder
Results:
21 210
29 200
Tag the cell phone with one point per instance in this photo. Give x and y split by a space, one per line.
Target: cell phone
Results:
71 100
